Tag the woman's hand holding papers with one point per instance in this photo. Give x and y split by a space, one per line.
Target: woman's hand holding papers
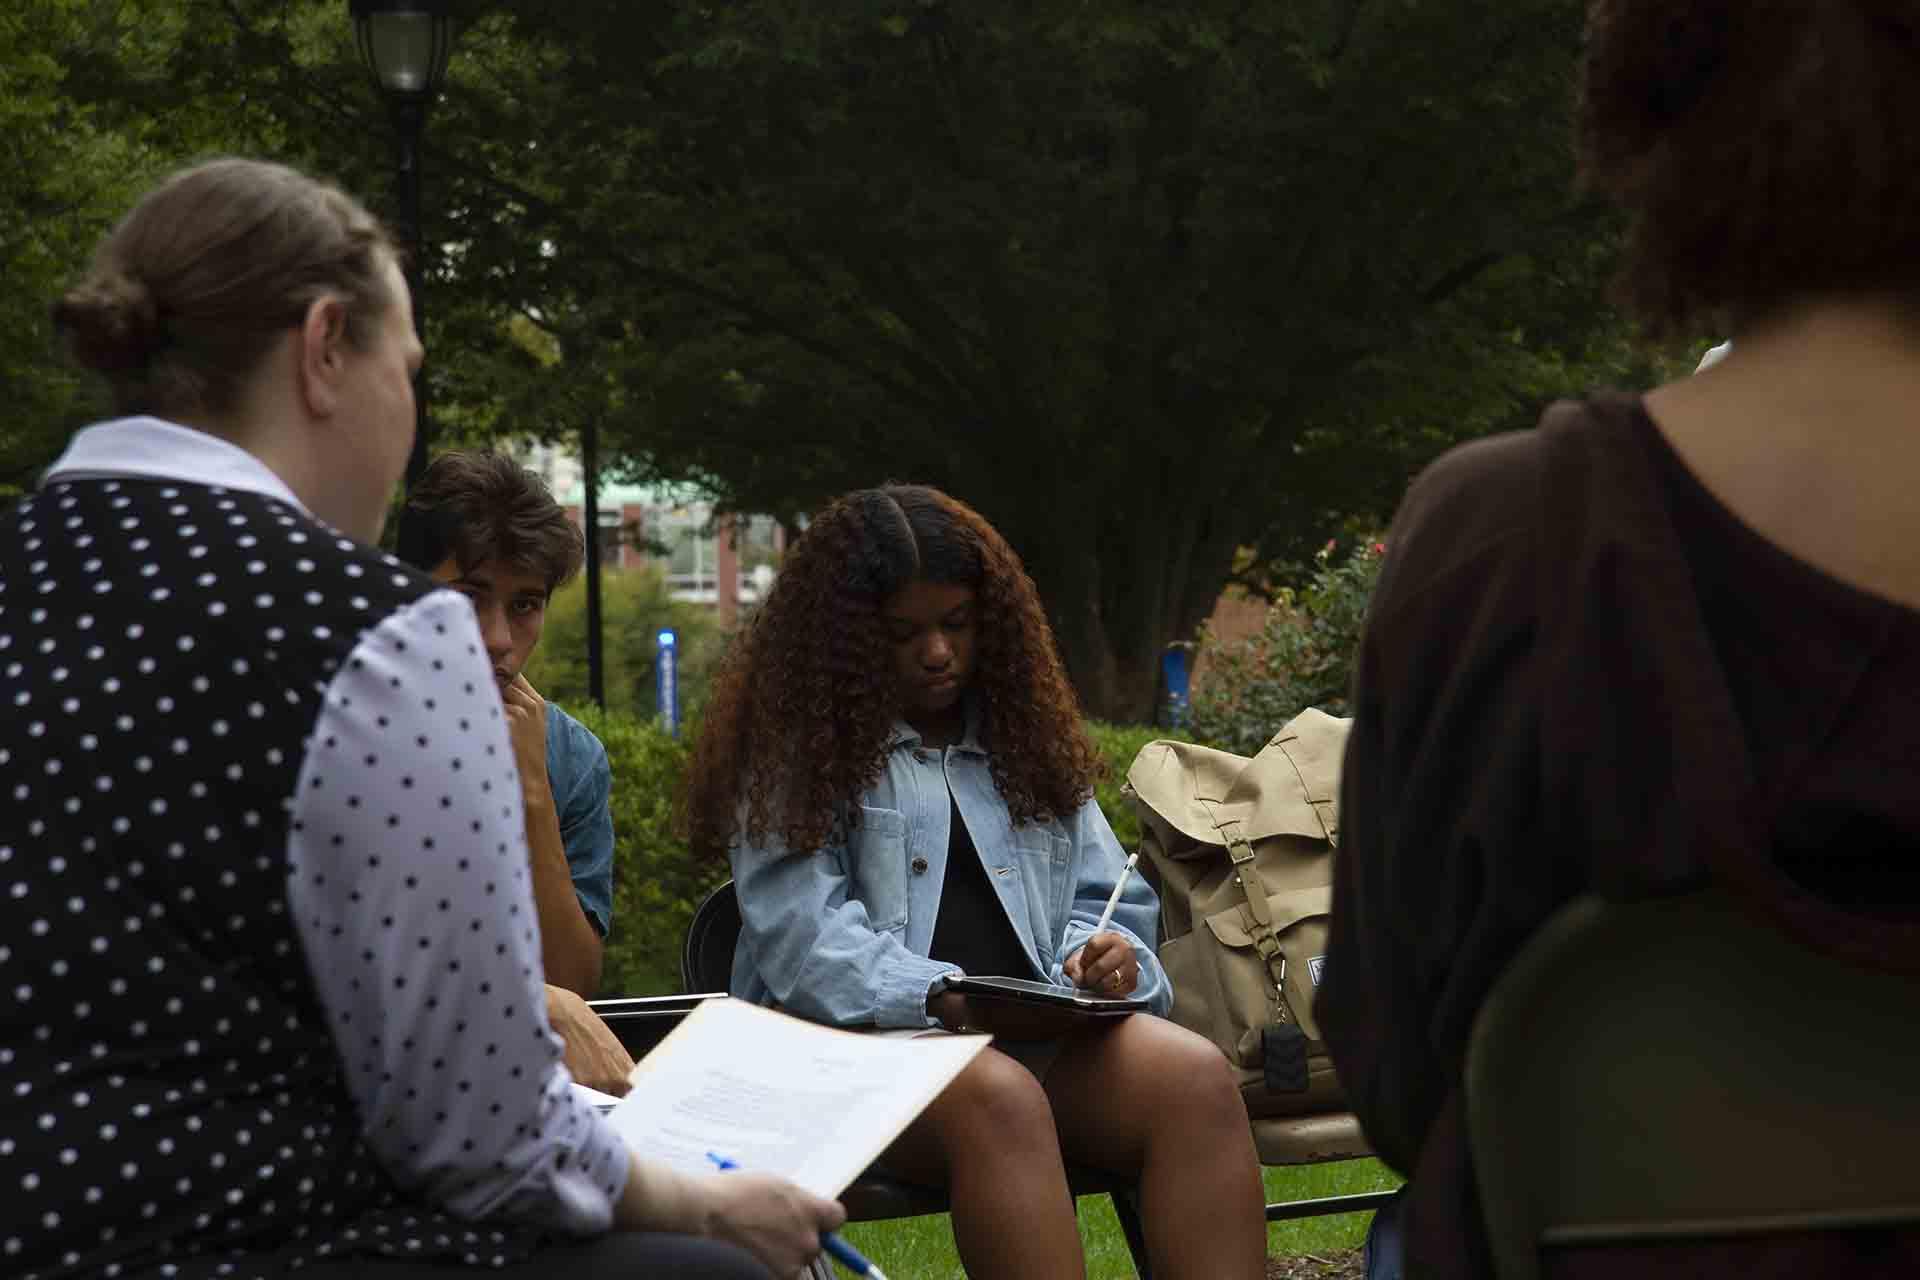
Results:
769 1217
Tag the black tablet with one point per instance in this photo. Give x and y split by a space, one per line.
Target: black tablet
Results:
1046 994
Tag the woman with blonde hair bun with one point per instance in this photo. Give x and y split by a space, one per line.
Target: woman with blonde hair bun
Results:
276 993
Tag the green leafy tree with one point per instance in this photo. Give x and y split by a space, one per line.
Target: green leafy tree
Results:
63 177
1147 285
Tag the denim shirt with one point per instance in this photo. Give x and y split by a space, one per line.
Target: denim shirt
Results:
841 935
582 785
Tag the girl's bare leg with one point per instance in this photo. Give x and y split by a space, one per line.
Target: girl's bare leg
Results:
989 1139
1152 1096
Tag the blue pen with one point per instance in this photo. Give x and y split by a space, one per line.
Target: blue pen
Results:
839 1250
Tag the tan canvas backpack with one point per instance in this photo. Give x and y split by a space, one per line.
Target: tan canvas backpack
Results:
1241 852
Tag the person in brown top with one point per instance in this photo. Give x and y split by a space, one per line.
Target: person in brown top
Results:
1670 639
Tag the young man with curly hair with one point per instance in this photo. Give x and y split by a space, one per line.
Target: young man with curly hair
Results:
488 528
895 764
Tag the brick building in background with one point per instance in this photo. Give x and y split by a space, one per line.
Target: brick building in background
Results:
724 562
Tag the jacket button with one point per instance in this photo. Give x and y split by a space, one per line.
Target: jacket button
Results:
919 866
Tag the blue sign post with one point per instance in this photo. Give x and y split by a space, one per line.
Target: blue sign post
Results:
667 668
1173 673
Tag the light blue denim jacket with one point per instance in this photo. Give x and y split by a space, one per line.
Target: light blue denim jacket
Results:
841 935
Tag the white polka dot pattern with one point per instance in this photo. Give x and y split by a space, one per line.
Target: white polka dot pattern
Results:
178 1101
409 885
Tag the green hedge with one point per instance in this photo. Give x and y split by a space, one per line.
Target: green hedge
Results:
656 885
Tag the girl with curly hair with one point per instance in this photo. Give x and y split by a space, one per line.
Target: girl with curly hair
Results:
893 761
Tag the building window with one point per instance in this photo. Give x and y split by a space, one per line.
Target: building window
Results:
684 533
610 539
760 542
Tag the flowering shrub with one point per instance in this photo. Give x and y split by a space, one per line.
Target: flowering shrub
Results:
1301 657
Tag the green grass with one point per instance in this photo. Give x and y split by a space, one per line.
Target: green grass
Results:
923 1247
1307 1182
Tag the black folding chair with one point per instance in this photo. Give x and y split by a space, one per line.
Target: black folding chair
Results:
1676 1070
640 1023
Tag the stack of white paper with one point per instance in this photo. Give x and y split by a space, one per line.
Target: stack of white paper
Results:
778 1095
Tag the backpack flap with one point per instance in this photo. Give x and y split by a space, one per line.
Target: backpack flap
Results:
1315 745
1172 785
1182 785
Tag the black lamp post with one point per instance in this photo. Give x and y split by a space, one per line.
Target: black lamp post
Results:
405 44
590 513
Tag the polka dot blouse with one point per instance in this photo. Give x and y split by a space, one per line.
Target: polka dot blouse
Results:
267 933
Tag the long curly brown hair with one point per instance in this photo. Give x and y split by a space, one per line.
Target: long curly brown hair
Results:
801 711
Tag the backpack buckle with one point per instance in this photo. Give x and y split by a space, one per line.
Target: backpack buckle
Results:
1239 851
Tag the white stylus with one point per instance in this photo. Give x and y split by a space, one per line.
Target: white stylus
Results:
1106 916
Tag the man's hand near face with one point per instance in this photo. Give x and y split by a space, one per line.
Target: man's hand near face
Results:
527 727
570 949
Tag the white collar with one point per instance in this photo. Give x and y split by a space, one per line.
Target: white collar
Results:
155 449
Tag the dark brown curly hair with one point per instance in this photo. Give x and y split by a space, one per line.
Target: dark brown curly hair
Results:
476 506
801 711
1765 151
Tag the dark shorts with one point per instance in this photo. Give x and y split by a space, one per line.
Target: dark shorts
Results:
1037 1056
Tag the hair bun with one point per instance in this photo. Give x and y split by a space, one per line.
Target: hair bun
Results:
112 321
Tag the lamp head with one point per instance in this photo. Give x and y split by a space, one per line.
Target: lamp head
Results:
404 44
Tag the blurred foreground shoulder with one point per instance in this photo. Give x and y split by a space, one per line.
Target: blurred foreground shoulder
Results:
1474 501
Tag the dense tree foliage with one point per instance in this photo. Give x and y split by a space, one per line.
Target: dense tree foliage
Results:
1162 290
62 178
